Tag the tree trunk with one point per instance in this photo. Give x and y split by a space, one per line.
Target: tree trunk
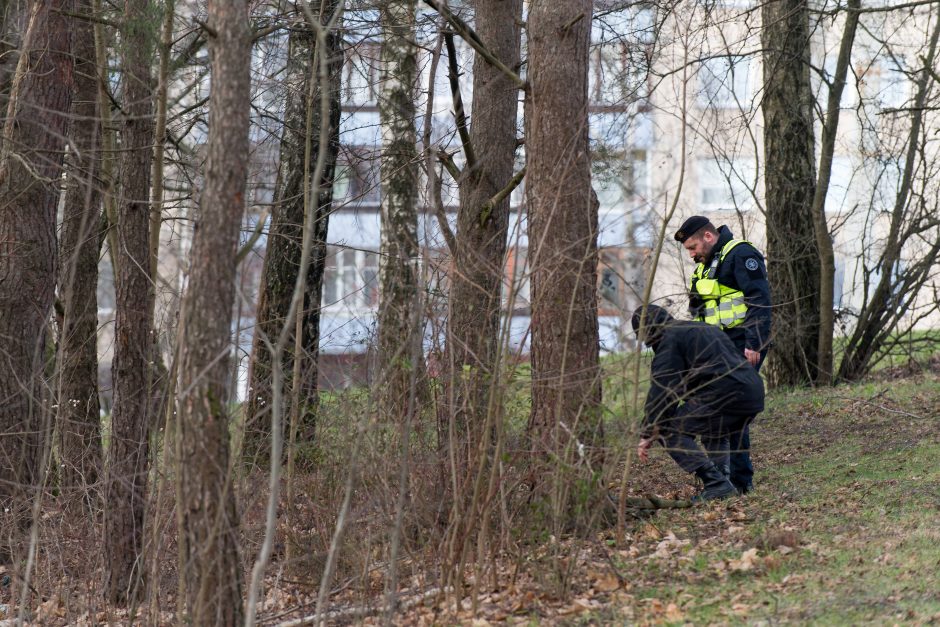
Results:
126 483
282 260
78 420
566 388
213 570
476 278
398 272
790 180
827 267
30 173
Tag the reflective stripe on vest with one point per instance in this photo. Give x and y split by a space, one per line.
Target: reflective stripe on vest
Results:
723 306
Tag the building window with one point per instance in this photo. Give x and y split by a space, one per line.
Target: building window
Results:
357 178
618 179
634 23
724 82
822 84
517 195
611 181
639 175
838 282
727 184
361 75
350 279
614 79
891 84
615 294
840 181
609 287
886 175
517 286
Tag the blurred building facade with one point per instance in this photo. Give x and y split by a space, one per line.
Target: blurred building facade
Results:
676 130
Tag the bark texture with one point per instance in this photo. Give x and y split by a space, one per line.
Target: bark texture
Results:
477 271
398 272
78 420
282 261
30 172
213 570
126 482
793 264
562 207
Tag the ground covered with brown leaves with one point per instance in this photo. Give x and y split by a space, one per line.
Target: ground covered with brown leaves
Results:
842 529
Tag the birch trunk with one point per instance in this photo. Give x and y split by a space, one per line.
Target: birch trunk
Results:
398 272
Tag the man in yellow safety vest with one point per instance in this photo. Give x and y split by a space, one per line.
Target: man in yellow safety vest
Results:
729 289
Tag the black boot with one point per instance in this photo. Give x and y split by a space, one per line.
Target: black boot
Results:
717 485
743 488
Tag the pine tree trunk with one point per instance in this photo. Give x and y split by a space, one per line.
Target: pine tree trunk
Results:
476 282
213 570
126 482
398 272
793 264
282 260
566 391
78 420
30 172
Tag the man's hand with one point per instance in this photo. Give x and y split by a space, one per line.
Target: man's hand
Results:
752 357
642 449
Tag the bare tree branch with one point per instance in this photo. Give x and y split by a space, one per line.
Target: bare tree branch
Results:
469 35
453 76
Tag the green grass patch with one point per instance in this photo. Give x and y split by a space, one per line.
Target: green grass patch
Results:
847 475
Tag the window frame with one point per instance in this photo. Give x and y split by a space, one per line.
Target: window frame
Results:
714 91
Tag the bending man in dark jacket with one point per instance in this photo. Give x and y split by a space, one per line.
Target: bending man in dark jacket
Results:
701 386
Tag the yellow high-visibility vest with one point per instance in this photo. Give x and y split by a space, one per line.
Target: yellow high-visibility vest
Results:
723 306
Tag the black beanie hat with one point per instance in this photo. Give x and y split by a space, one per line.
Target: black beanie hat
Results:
690 227
656 319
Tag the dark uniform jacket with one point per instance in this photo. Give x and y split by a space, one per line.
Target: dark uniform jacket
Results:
743 269
697 364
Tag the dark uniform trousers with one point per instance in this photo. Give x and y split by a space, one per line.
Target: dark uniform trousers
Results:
717 430
742 470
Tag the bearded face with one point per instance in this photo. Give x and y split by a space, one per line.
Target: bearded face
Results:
700 247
